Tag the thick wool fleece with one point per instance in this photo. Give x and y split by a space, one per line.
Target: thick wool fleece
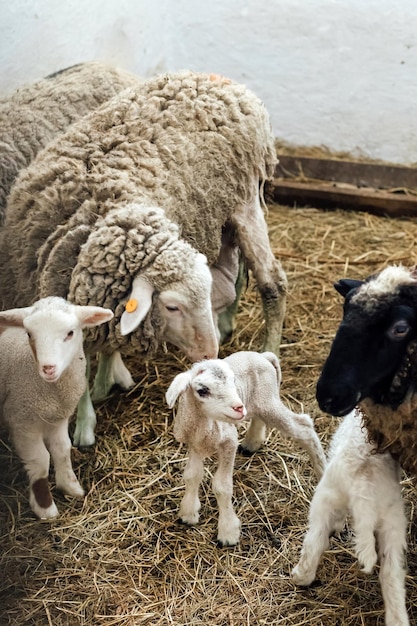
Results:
34 114
186 142
394 430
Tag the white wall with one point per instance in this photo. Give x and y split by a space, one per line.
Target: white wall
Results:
338 73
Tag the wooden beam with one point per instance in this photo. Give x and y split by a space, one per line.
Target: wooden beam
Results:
330 183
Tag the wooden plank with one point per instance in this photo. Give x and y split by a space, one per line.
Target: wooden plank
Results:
331 195
360 174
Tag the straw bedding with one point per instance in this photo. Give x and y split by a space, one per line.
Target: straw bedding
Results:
121 558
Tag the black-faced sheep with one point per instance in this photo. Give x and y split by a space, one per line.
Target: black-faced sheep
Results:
34 114
42 377
373 361
366 486
117 210
214 396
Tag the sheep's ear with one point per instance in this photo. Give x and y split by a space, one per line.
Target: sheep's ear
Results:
177 387
345 285
93 315
13 318
137 306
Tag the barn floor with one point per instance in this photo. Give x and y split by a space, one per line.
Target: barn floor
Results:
120 557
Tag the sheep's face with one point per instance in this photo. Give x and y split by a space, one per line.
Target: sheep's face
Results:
186 311
215 390
370 346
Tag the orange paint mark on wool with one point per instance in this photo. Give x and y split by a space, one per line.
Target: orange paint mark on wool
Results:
131 305
220 77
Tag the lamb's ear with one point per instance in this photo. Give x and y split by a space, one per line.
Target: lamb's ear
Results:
137 306
345 285
93 315
177 387
13 318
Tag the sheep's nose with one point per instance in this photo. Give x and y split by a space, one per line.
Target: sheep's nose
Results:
49 370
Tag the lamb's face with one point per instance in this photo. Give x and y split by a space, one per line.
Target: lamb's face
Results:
379 323
214 388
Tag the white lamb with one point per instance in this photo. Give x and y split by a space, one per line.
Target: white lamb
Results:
42 377
360 482
215 395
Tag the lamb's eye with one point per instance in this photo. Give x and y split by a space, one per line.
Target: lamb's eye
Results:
399 329
203 391
69 335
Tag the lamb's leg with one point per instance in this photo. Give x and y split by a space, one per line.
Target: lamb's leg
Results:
364 524
392 547
86 422
300 427
31 449
59 444
270 277
324 512
229 524
193 475
110 371
254 437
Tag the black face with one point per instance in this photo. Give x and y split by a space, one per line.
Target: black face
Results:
368 349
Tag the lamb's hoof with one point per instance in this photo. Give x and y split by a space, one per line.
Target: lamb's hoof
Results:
302 579
227 543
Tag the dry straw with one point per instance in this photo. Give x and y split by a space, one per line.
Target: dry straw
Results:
120 557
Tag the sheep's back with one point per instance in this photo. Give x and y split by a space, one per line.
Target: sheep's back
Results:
34 114
185 142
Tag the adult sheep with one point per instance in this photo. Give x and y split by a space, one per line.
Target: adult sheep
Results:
373 361
34 114
117 210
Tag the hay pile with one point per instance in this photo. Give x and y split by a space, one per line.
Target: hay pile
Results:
120 557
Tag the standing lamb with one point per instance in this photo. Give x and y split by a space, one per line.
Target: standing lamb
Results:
42 377
34 114
366 485
373 361
118 209
214 396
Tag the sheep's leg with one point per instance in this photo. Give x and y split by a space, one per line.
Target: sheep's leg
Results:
86 422
193 475
364 518
59 444
298 426
110 371
324 512
254 437
270 277
31 449
226 321
392 547
229 524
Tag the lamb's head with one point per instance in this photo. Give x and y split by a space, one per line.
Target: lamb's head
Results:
213 389
54 328
370 354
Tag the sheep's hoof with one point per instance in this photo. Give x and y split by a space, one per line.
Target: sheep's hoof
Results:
245 451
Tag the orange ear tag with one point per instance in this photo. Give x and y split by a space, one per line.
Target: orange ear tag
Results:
131 305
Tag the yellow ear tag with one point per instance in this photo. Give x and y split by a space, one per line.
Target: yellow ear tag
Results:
131 305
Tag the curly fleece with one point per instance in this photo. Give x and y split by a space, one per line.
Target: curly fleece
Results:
185 142
34 114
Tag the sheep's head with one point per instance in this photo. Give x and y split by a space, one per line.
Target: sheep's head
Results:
213 388
54 328
369 357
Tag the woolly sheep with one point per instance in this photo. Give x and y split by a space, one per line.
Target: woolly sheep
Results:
366 485
215 395
373 360
143 183
42 377
34 114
